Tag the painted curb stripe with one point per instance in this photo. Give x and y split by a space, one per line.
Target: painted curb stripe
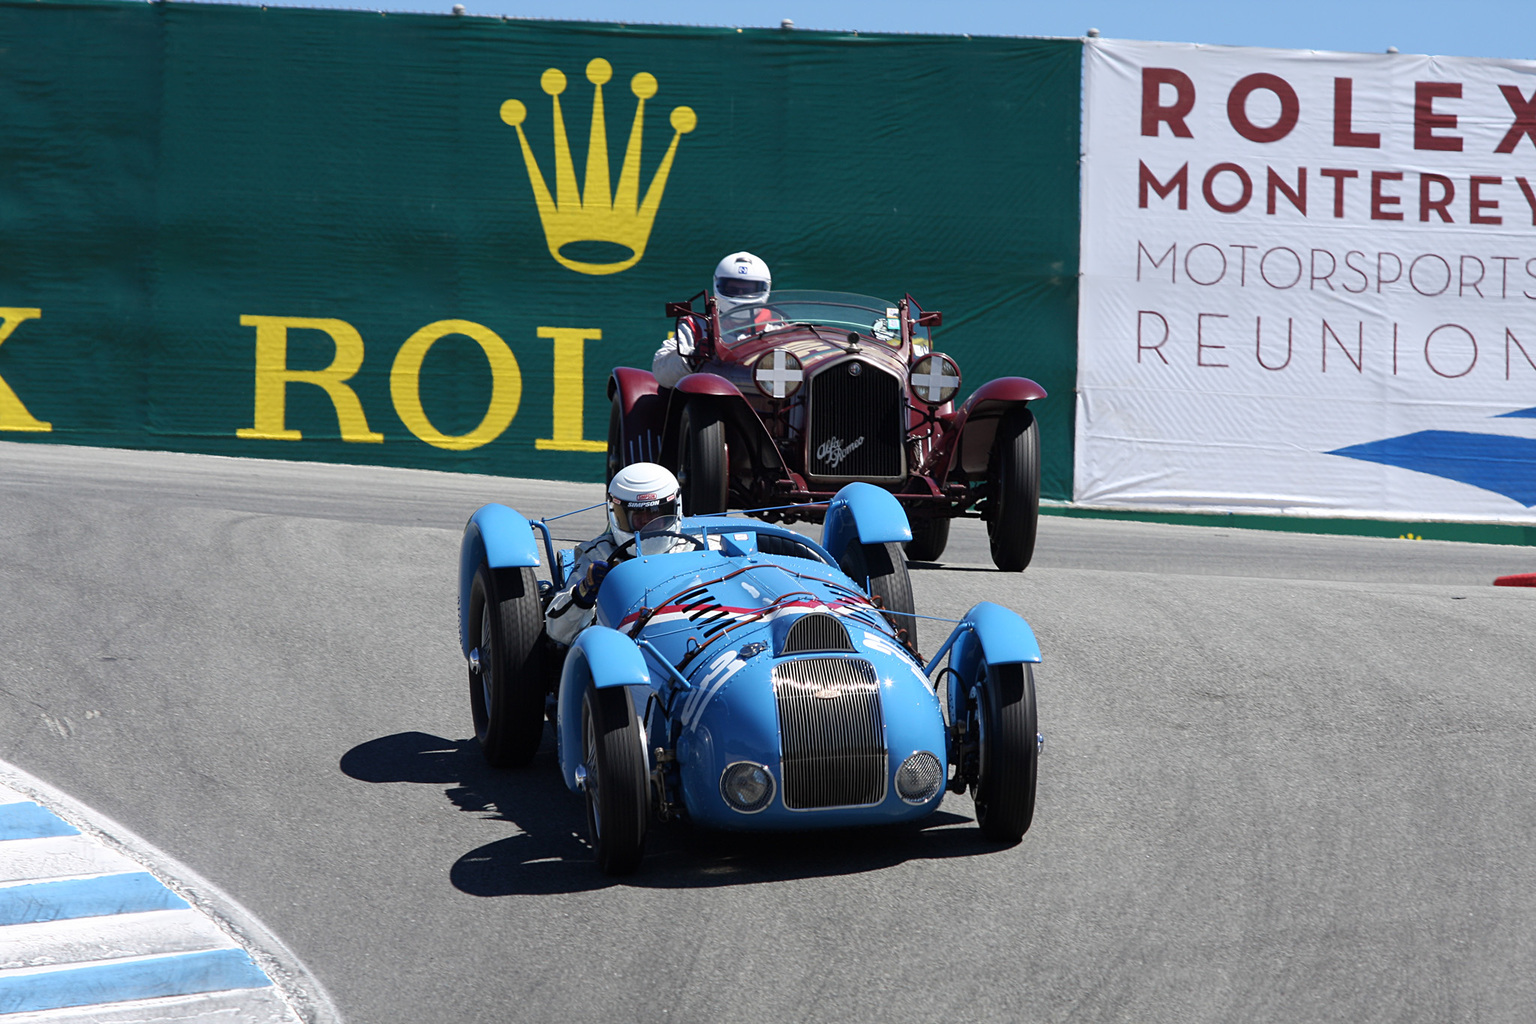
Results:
242 1006
85 897
89 934
29 821
186 974
76 856
88 940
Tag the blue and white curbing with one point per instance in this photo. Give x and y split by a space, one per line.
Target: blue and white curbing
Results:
98 927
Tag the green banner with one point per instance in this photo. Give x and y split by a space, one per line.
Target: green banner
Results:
423 240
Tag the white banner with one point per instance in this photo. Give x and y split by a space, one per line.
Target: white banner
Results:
1308 283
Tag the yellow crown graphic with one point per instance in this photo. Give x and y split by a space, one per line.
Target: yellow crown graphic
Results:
596 214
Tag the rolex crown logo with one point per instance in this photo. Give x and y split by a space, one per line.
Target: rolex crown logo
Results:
597 213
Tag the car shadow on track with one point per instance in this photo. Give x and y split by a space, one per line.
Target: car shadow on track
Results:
551 854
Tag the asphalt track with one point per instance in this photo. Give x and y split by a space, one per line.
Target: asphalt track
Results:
1286 777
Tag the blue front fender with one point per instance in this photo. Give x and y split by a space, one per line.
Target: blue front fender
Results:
501 538
989 634
864 513
602 657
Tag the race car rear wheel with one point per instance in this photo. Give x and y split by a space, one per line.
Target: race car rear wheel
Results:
618 796
506 695
885 568
702 460
1009 751
929 539
1013 484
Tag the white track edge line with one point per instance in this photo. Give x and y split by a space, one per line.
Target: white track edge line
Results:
301 989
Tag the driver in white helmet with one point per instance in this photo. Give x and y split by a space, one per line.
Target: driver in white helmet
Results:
638 495
741 278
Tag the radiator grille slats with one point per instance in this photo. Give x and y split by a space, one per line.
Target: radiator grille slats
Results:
833 744
856 424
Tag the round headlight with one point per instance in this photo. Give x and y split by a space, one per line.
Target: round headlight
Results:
777 374
919 777
747 787
935 378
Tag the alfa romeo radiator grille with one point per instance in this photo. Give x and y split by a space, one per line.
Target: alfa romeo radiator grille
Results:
832 732
856 424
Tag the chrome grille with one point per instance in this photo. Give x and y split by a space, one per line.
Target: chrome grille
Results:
831 731
856 424
816 632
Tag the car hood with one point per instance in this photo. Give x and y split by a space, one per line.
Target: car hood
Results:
695 606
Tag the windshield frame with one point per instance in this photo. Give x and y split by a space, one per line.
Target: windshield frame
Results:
793 307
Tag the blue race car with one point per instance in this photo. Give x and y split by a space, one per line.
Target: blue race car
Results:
737 676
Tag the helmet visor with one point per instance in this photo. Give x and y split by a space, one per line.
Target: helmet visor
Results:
741 287
656 533
632 516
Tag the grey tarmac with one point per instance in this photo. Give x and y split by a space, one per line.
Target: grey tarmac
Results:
1286 777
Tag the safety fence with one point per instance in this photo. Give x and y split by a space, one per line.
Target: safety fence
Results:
423 240
1300 283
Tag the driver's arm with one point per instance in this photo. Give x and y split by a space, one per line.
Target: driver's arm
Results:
574 607
674 360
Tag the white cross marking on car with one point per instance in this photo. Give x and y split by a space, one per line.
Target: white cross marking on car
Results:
935 380
778 375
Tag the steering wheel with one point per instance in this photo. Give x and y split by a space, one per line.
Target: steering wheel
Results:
698 544
632 543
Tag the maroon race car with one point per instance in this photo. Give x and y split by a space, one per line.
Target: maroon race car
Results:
796 397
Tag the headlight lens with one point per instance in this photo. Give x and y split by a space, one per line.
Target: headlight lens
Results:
777 374
935 378
919 778
747 787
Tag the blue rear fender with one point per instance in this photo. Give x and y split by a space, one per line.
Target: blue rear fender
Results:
865 514
499 537
600 657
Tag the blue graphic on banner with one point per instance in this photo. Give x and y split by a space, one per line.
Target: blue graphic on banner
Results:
1529 414
1493 462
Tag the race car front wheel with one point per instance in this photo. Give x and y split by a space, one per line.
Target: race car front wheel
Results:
616 784
1013 485
702 460
929 539
506 694
1009 749
883 568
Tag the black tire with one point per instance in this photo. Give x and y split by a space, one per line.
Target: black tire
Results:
506 697
702 460
929 539
617 786
1013 484
885 567
615 439
1009 753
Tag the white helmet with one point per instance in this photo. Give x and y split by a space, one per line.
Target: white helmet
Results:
741 278
639 493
